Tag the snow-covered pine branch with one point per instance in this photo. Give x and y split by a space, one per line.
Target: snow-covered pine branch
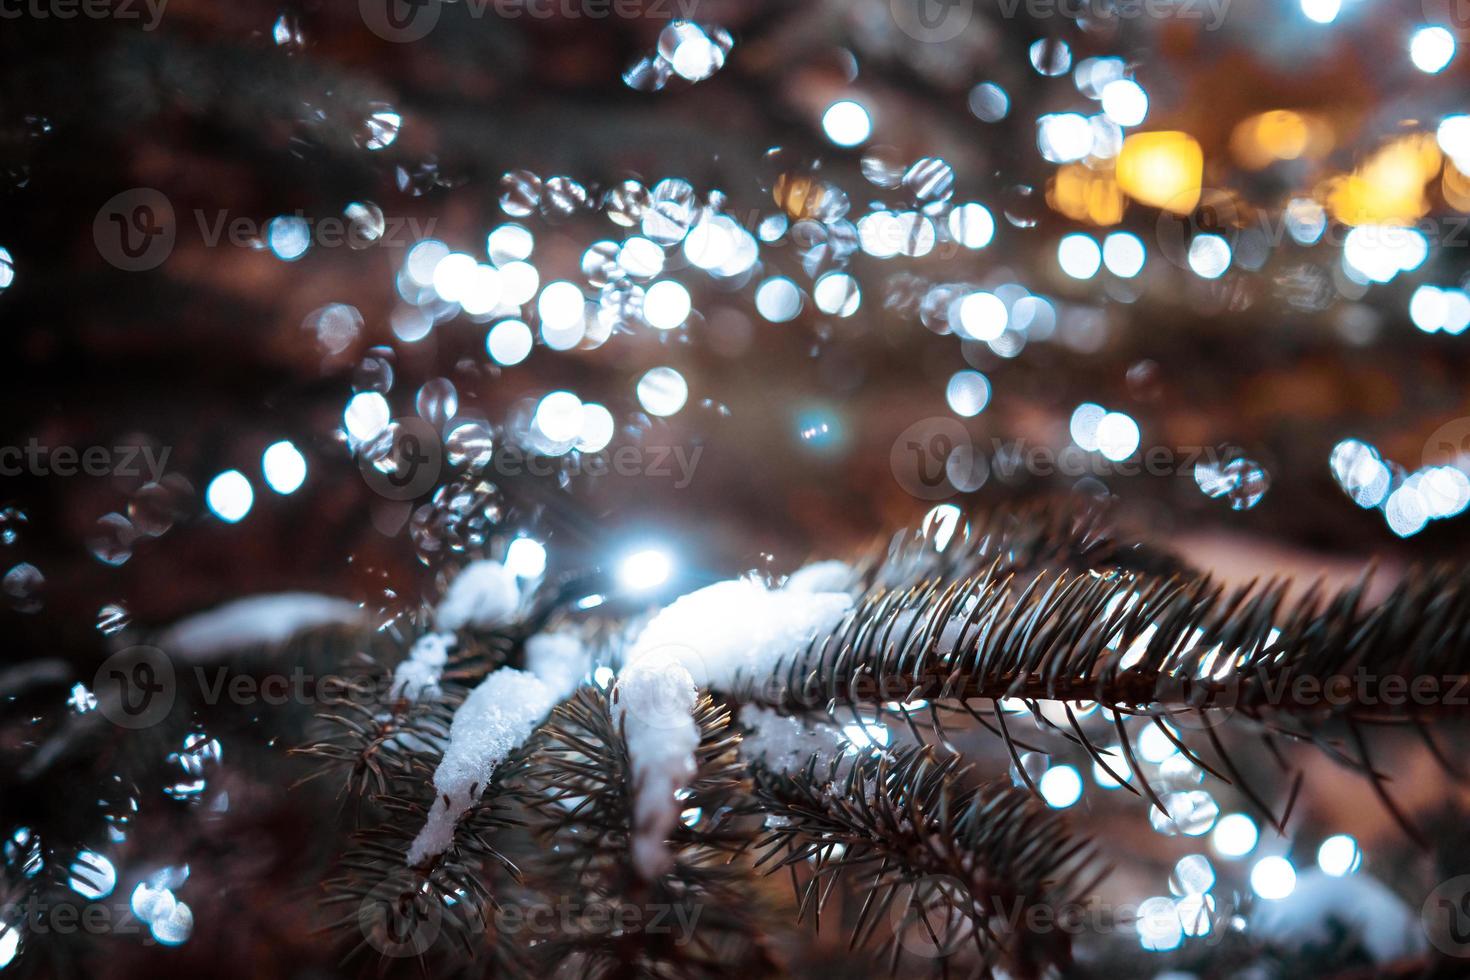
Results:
708 638
495 719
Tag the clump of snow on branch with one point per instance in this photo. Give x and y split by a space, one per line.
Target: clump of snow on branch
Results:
787 743
494 720
739 628
418 675
709 638
654 701
263 620
484 595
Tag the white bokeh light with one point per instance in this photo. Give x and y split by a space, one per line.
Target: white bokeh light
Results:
366 415
662 391
1117 436
847 123
1453 135
666 305
1124 253
1273 878
1083 429
560 305
972 225
641 258
982 316
526 558
509 342
1064 137
968 392
1125 102
1339 855
230 496
509 243
1079 256
1321 11
559 416
452 276
645 570
778 299
837 293
284 467
1061 787
1235 835
1209 256
597 428
1432 49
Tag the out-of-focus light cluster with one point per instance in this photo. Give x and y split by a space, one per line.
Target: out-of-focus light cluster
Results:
691 51
1409 501
1433 309
1113 434
153 901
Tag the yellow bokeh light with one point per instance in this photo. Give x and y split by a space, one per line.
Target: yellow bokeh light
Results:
1281 134
1084 194
1389 188
1163 170
801 196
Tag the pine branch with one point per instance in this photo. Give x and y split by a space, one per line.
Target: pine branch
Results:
920 839
583 800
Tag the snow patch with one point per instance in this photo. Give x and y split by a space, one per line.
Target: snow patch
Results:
484 595
495 719
654 700
418 675
786 743
708 638
263 620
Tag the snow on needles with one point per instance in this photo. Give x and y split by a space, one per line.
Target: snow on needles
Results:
787 743
655 701
738 628
708 638
418 674
484 595
496 718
